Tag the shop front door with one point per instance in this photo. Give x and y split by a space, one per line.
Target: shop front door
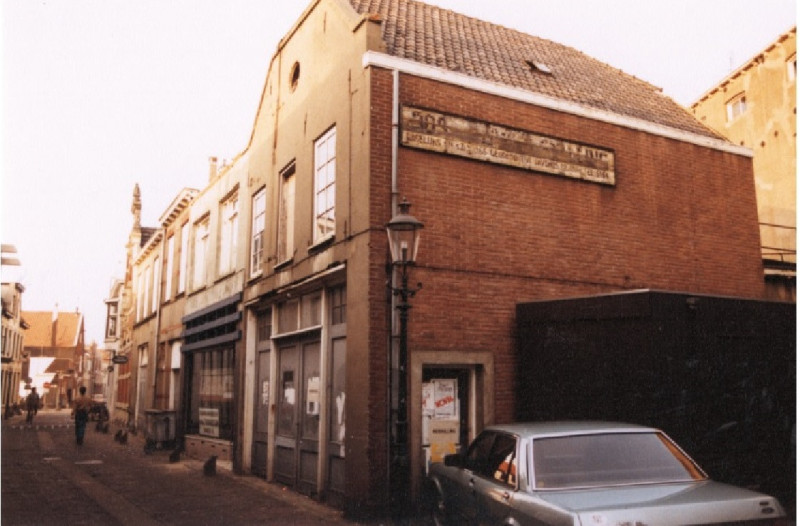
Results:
297 436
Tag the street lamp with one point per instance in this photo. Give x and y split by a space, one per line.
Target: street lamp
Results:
403 231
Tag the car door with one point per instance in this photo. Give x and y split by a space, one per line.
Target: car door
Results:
494 488
476 467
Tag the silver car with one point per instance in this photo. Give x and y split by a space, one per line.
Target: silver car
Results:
588 474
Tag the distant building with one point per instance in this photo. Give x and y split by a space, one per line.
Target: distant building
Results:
13 324
756 107
111 341
54 345
12 337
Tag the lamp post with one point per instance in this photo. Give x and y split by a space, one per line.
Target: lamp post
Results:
403 231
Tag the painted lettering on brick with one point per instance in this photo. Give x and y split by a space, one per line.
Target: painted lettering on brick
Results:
473 139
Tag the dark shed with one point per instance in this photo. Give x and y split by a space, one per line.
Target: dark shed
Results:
716 373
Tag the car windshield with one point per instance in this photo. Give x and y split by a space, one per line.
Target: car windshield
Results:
609 459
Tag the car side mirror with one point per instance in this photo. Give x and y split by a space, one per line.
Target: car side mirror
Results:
454 460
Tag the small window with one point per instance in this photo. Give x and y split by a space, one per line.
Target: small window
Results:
294 75
791 68
736 106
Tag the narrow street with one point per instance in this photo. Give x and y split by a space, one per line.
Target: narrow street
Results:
48 479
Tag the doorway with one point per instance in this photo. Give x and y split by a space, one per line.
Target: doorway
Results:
297 433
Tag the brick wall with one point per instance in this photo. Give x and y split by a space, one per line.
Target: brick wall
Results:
681 217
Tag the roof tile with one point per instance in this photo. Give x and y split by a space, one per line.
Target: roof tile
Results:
442 38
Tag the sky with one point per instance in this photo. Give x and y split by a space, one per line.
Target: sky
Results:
99 95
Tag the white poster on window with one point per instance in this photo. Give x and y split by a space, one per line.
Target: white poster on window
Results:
445 398
209 421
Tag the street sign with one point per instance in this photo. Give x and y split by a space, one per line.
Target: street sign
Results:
120 359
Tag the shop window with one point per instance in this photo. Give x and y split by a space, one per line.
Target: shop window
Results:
311 311
264 326
287 316
212 394
324 186
338 297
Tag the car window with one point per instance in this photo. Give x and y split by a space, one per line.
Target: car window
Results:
609 459
494 455
478 454
505 449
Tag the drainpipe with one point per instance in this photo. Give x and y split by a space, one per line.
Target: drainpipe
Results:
393 299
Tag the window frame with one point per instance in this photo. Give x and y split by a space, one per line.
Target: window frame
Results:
324 223
200 256
258 227
286 214
228 238
736 106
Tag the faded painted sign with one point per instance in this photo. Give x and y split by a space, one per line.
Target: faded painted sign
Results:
473 139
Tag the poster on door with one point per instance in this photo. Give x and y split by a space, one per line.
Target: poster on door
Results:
444 398
440 419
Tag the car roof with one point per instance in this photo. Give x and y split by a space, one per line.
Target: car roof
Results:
567 427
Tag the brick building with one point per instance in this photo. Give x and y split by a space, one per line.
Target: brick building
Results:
539 173
54 348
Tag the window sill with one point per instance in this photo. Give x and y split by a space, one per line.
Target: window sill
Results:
283 265
322 244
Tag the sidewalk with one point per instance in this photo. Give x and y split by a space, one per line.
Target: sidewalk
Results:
47 478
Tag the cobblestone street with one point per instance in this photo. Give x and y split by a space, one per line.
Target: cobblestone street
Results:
48 479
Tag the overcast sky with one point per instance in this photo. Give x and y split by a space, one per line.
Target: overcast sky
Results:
99 95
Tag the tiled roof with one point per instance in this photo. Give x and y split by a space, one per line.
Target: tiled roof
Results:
41 329
442 38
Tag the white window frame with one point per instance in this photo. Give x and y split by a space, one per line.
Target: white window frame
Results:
325 186
200 253
736 106
156 282
146 300
259 213
229 225
183 264
170 257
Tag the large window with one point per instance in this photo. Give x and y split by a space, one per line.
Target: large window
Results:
324 185
257 242
156 282
200 251
183 262
170 257
229 225
211 411
286 216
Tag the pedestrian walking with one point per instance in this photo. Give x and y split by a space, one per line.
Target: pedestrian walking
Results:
32 405
80 411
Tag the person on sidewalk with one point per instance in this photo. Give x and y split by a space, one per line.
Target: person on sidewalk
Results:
32 405
80 411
